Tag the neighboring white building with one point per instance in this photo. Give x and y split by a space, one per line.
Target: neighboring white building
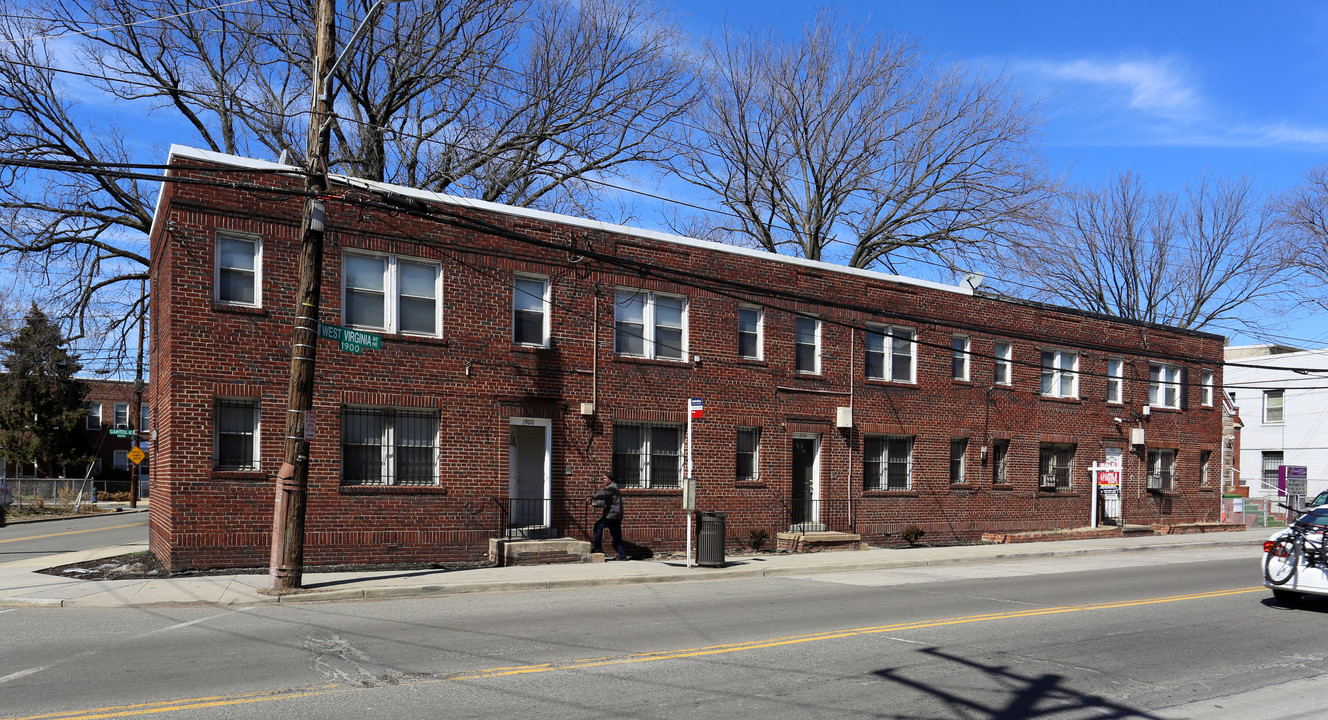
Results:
1285 413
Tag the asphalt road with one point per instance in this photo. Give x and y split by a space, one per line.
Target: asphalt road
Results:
19 541
1133 635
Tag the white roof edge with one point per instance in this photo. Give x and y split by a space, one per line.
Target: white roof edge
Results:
238 161
1278 358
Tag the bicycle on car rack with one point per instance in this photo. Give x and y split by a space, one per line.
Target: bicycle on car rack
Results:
1299 546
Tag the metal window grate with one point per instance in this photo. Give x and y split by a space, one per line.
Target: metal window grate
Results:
236 431
1056 466
389 447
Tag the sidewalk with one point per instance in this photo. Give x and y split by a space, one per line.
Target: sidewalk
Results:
21 585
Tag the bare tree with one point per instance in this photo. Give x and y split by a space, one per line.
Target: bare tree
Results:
527 102
842 138
1188 260
1303 213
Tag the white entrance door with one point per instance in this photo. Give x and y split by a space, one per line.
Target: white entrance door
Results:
1111 495
529 461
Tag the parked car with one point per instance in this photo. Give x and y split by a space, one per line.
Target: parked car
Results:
1318 500
1294 560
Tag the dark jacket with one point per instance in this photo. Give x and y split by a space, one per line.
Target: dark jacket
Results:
612 498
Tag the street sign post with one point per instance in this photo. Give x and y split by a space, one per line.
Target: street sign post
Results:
350 340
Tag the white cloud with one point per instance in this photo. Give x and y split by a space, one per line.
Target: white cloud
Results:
1155 86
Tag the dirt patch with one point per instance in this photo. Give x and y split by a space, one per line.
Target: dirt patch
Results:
145 565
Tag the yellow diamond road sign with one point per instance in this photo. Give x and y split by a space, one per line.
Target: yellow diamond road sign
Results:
136 456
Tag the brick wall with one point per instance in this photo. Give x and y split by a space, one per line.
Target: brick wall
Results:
479 380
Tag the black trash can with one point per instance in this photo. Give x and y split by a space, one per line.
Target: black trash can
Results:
710 539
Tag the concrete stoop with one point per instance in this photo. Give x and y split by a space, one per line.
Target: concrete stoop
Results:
808 542
508 553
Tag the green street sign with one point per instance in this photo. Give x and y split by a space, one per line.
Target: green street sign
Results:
350 340
122 432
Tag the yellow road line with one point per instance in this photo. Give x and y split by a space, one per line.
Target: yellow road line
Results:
74 532
222 701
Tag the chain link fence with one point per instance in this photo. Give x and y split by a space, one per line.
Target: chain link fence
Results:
49 491
1254 512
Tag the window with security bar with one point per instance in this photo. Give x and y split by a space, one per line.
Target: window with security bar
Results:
1056 467
235 434
749 445
1000 462
887 462
1161 469
389 446
646 455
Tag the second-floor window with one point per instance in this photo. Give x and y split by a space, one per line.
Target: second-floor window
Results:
807 344
1004 372
959 357
94 416
1060 374
391 294
530 311
889 354
1115 380
1206 388
650 325
1164 385
122 416
238 278
1272 407
749 332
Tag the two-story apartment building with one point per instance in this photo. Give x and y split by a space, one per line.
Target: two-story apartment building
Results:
523 353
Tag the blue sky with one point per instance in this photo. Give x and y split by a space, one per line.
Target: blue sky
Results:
1169 90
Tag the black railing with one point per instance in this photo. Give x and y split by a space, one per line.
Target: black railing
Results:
804 515
537 518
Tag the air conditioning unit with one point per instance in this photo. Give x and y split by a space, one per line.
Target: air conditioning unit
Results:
587 409
1136 436
1048 482
1155 482
843 417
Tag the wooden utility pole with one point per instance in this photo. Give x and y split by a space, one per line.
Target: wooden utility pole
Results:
136 412
287 562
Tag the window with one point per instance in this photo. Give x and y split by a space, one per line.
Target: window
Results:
235 435
391 294
958 449
650 325
1000 462
1004 374
1115 380
238 280
1204 457
749 461
1161 469
647 455
1271 462
1060 374
94 416
887 462
1056 466
889 354
1272 407
143 416
530 311
1206 388
121 460
959 357
750 322
1164 385
389 446
808 345
122 416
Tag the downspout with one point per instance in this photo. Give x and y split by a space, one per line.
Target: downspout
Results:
852 376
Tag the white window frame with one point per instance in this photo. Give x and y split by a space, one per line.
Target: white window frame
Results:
1205 461
253 406
391 292
1162 465
1003 369
390 443
816 345
759 331
1270 407
1115 380
879 480
959 357
1206 388
120 409
1064 365
646 453
892 337
518 294
1000 462
120 460
649 334
958 461
1164 386
755 434
93 421
256 273
144 417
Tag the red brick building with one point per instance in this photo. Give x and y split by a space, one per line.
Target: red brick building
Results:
524 352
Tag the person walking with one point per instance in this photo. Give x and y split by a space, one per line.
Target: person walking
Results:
609 498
